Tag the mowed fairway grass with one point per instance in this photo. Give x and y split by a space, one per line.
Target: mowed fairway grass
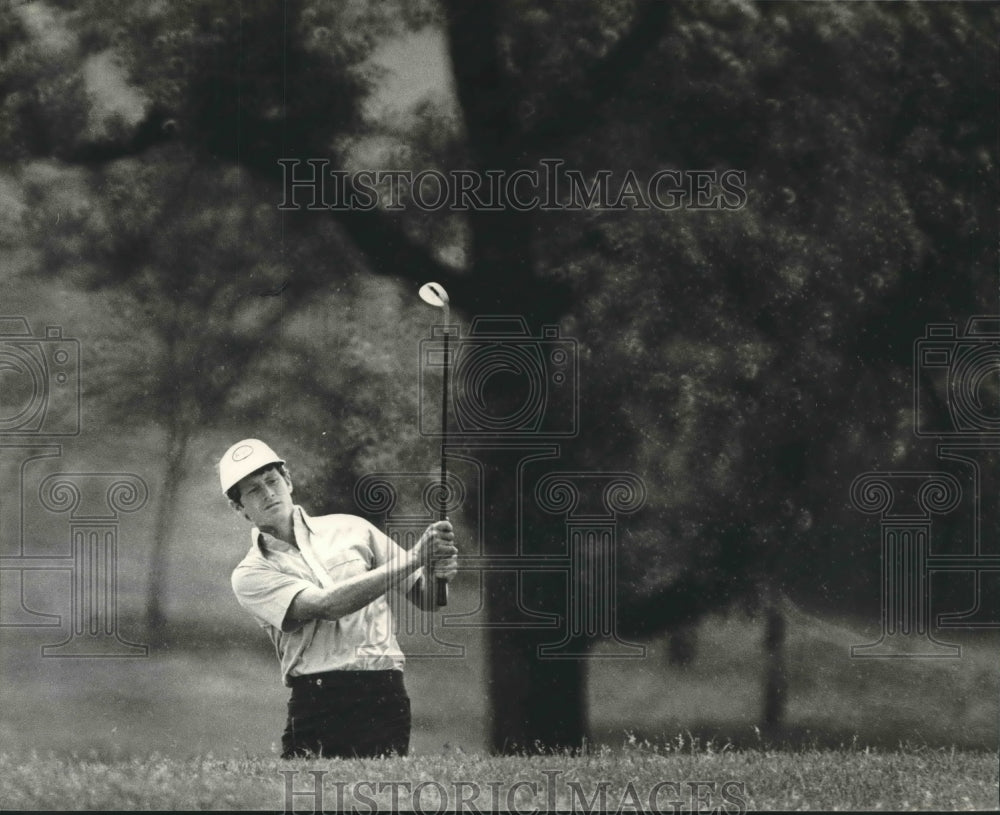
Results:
196 726
627 779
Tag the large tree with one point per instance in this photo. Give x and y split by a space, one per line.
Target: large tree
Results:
746 362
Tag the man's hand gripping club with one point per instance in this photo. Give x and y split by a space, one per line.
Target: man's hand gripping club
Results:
435 553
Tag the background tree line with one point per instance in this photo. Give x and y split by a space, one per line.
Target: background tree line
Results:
747 364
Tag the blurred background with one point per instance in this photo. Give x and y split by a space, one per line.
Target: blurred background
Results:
744 364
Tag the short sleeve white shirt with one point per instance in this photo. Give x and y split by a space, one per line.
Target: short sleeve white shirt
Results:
274 572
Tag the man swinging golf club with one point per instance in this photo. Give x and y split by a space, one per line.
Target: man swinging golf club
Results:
318 586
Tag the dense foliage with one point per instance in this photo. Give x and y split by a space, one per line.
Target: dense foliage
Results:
746 363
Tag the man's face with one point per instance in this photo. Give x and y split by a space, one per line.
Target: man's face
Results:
265 499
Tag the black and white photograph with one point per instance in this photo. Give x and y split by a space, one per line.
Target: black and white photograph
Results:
499 405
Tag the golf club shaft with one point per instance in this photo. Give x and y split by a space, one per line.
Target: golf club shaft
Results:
441 597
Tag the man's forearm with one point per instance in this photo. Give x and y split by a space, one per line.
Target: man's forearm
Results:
352 594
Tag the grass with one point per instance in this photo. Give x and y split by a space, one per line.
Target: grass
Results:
733 780
832 698
216 691
196 725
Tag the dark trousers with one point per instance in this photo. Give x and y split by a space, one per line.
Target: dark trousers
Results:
348 714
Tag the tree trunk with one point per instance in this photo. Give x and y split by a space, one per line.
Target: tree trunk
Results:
536 703
775 681
173 470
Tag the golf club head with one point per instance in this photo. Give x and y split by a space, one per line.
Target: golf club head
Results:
434 294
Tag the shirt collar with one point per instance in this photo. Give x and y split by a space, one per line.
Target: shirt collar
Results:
299 516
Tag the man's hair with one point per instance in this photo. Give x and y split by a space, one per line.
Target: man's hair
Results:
233 493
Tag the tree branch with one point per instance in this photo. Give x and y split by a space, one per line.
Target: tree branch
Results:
390 252
482 86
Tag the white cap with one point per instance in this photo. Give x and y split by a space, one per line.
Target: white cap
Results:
242 459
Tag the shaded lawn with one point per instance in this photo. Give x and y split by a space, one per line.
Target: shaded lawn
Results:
219 693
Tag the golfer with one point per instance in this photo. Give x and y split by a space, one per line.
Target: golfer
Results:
318 587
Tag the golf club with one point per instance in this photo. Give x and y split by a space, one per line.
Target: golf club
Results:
434 294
